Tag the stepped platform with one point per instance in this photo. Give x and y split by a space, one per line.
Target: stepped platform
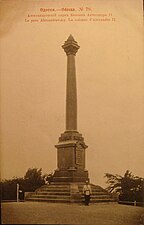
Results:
68 192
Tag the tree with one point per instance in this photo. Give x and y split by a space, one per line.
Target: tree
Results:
32 180
9 188
129 187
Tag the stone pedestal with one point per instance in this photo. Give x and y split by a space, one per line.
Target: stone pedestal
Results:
70 158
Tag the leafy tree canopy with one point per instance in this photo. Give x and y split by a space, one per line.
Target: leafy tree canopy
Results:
34 177
129 187
32 180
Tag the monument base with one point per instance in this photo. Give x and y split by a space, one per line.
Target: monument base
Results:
71 158
67 192
70 175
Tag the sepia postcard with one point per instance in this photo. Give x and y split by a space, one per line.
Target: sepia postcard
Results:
91 123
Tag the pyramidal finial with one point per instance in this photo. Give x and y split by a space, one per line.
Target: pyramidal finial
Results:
70 38
70 46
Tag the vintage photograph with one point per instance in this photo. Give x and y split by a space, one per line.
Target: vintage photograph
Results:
72 112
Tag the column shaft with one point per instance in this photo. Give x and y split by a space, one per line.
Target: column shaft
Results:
71 95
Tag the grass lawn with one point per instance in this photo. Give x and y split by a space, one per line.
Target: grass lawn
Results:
56 213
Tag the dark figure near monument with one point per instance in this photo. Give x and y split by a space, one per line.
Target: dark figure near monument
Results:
87 192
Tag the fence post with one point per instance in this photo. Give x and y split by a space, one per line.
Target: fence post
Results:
17 192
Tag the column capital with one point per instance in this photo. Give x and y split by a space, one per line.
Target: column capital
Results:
70 46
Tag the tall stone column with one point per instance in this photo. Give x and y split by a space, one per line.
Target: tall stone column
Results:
71 47
71 146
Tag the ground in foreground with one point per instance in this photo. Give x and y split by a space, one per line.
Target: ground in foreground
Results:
56 213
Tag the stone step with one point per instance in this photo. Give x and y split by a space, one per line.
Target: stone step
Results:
68 193
100 196
58 191
97 189
58 200
53 193
97 192
51 197
49 200
68 189
55 186
101 200
65 193
55 189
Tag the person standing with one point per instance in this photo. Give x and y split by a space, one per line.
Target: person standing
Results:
87 192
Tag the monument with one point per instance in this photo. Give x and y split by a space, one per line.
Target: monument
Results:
70 175
71 146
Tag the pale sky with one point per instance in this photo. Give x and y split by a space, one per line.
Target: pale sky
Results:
110 86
